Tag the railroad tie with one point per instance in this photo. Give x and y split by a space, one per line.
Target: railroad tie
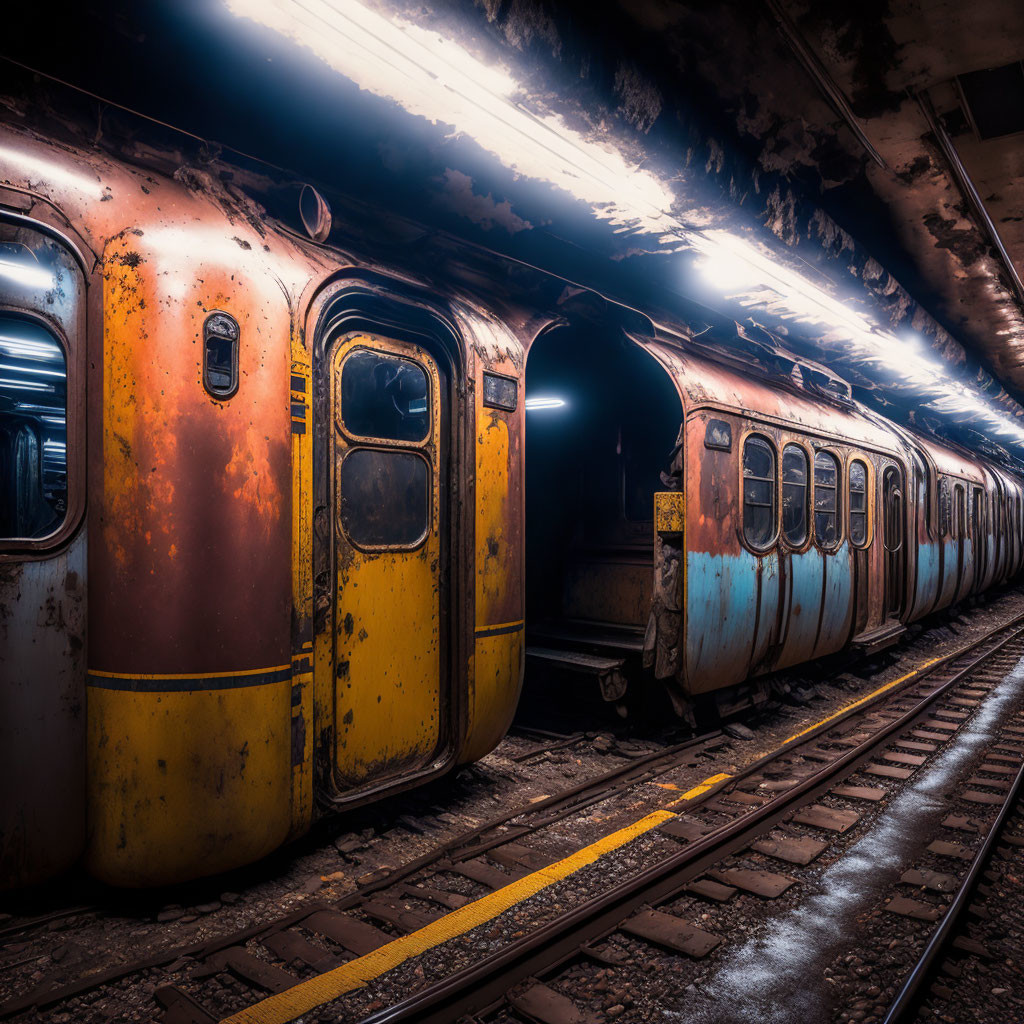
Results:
869 793
831 818
767 884
249 968
671 932
791 849
289 945
906 907
543 1004
357 937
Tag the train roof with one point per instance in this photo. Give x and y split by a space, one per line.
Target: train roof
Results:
702 381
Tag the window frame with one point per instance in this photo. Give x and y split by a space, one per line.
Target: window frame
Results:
379 343
921 460
741 450
959 529
869 505
385 442
808 503
901 524
945 491
72 338
414 545
839 511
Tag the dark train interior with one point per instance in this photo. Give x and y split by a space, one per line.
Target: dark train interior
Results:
593 465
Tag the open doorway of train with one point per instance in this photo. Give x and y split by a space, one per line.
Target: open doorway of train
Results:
602 422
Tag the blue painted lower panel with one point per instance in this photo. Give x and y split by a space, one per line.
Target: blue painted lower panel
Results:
927 579
721 613
804 584
838 603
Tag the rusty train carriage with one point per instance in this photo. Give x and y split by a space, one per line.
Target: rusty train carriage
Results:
280 569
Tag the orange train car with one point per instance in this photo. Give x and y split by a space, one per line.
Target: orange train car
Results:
272 529
260 553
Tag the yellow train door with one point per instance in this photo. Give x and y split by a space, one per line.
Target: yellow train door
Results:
387 471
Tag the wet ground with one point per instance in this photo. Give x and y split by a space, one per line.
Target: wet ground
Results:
778 975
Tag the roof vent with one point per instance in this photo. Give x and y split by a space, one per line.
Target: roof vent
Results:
315 213
994 100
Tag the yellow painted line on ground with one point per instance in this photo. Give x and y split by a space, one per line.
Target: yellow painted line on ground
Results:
307 995
715 779
700 790
861 700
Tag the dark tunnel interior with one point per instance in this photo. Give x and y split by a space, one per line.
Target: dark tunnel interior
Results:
593 465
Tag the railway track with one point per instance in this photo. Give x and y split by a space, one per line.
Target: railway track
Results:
873 738
953 936
462 850
809 788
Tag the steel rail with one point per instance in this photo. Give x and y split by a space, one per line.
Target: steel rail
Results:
460 847
843 715
906 998
473 842
485 981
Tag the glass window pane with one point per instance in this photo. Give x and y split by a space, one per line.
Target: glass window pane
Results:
385 497
858 487
718 434
858 503
826 504
858 527
758 492
794 494
758 459
33 430
384 396
825 528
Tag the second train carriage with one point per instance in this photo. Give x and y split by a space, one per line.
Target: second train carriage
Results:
264 531
787 523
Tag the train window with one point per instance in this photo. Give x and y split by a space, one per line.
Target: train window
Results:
758 492
794 494
220 359
33 430
385 498
384 396
718 434
500 392
858 485
945 508
826 499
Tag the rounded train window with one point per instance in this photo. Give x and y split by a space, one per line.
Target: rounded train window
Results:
794 494
826 499
858 485
33 430
384 396
758 492
386 498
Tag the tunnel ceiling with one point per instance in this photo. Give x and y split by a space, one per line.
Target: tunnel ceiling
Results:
837 96
849 146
